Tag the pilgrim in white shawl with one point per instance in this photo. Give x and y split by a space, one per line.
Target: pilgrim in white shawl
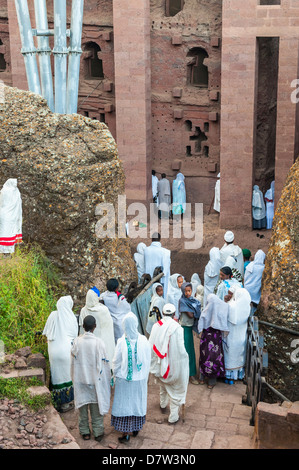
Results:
269 198
155 255
164 195
179 195
226 281
217 195
139 260
200 293
104 323
157 300
253 277
10 216
117 305
211 273
155 188
90 371
259 219
131 366
61 329
189 310
236 341
174 292
195 281
170 362
213 325
230 249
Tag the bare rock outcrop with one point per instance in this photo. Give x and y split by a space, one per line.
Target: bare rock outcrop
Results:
280 302
66 165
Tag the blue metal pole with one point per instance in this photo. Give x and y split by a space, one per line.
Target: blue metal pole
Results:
44 52
75 52
60 52
28 49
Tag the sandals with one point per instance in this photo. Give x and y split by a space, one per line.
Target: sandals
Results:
86 437
124 439
211 386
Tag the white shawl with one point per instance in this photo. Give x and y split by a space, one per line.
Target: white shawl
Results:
118 308
90 371
253 276
104 329
139 260
10 216
174 292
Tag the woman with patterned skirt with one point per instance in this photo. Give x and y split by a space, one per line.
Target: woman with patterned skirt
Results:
131 365
213 326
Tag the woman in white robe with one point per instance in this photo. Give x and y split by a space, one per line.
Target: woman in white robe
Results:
104 323
158 301
131 366
236 342
174 292
164 195
253 276
269 198
195 281
217 195
179 195
61 329
139 260
10 216
211 273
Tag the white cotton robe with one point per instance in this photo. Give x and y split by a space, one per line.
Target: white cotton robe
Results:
258 208
104 329
195 281
230 249
61 329
174 292
90 370
130 396
179 195
235 343
269 197
253 276
155 255
169 358
217 195
139 260
118 307
156 301
155 181
211 273
10 216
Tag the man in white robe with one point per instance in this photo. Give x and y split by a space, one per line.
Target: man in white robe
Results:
164 195
117 305
90 371
10 216
155 255
170 362
259 220
217 194
230 249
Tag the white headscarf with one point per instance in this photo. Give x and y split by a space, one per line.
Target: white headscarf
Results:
215 315
195 281
61 322
212 269
174 292
253 276
135 345
258 204
139 259
104 329
239 305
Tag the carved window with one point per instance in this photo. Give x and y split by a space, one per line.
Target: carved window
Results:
94 64
198 71
172 7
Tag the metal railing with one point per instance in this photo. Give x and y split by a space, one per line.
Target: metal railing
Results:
257 365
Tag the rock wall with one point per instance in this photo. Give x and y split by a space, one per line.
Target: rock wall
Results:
65 165
279 302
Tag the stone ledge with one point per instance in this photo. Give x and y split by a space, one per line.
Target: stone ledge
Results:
27 373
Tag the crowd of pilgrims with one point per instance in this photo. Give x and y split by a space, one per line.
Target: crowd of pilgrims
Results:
102 356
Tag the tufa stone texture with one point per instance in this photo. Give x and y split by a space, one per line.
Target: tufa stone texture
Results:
65 165
279 301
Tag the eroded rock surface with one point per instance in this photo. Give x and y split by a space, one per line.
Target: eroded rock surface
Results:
65 165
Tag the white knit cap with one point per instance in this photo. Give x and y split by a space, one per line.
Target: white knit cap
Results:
229 236
168 309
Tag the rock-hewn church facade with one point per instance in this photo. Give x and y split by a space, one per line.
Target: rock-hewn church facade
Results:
197 86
